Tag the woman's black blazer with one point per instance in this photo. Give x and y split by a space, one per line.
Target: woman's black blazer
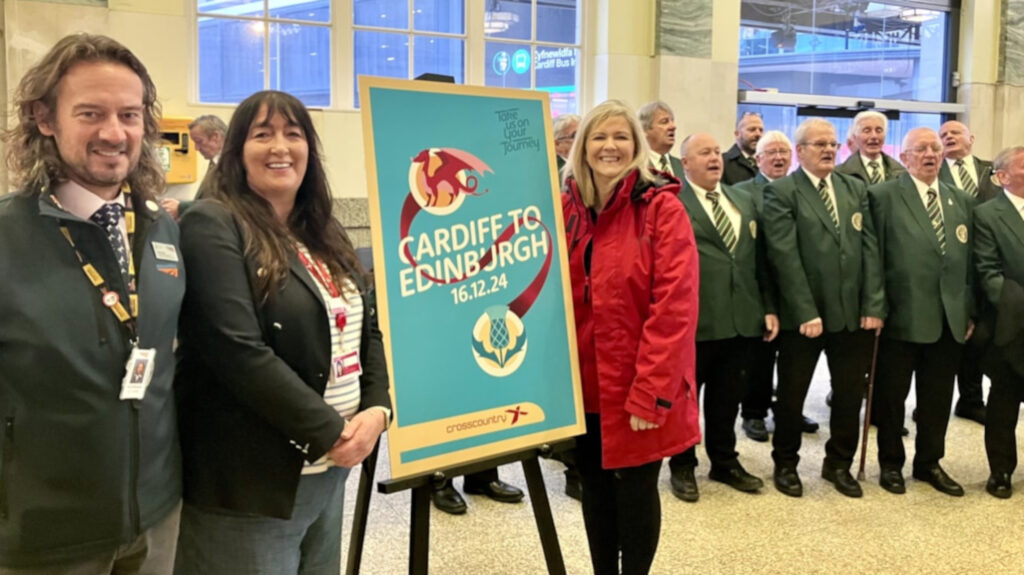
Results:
250 378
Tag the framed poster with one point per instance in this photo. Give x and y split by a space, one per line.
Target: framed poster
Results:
470 265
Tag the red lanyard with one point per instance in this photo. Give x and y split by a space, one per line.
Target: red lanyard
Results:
322 275
319 272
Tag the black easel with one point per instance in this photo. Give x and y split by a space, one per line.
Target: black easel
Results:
423 485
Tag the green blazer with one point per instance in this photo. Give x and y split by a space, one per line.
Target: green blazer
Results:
677 167
766 278
730 296
987 189
854 167
923 286
998 245
754 187
822 272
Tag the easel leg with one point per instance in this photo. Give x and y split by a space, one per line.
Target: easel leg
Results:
542 514
362 511
419 530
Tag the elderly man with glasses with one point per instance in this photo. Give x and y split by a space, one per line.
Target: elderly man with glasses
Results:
822 246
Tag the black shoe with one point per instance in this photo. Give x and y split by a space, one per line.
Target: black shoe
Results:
938 479
808 425
999 485
787 481
736 477
974 412
497 490
447 499
684 484
755 429
841 478
573 487
892 481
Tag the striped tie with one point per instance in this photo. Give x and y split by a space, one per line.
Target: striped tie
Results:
876 174
722 223
936 217
965 178
829 206
664 163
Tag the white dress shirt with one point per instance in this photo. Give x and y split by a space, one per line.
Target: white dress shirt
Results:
1017 201
922 190
656 161
828 189
731 211
881 164
80 202
955 171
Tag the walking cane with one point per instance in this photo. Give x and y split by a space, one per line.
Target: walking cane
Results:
867 410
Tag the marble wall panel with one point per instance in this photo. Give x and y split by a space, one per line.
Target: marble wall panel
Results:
684 28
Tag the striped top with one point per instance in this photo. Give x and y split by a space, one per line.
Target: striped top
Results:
342 395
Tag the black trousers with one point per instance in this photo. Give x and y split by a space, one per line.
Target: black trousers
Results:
722 370
621 508
849 357
761 379
1004 399
933 367
968 378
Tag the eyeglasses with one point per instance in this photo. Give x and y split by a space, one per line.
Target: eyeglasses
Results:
774 153
822 145
567 138
925 149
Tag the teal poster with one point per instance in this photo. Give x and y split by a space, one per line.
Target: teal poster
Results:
469 261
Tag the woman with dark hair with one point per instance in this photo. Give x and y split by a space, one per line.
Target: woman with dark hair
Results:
282 384
633 267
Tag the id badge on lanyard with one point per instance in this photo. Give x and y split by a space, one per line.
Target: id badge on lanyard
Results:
138 373
345 364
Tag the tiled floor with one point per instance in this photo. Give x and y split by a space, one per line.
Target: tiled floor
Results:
727 531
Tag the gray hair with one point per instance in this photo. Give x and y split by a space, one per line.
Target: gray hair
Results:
1003 159
801 130
867 115
209 125
772 137
562 122
646 113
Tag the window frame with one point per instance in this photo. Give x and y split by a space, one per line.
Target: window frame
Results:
342 31
948 107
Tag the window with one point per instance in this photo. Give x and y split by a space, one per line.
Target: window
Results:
534 44
406 38
845 48
801 59
247 46
314 48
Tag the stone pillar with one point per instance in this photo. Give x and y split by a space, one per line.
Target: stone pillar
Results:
992 72
696 68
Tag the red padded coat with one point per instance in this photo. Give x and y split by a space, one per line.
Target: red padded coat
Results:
636 317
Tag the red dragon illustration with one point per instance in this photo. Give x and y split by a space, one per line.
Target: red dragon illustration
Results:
440 172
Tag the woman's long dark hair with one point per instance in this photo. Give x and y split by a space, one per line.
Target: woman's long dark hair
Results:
268 241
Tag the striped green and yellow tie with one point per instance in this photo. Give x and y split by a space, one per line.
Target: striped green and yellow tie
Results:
722 223
966 180
936 216
829 206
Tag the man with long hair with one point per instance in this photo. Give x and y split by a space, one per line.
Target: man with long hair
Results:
90 480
